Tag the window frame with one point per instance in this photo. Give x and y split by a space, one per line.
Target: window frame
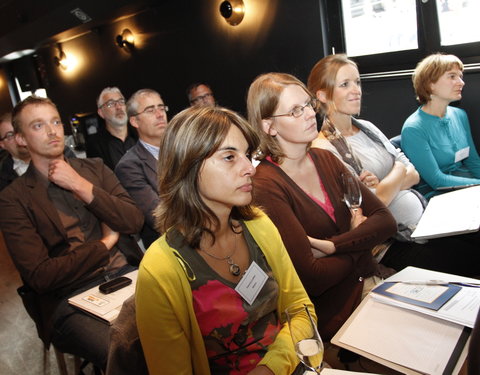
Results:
428 40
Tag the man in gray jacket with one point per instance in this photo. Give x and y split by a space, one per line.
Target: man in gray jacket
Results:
137 170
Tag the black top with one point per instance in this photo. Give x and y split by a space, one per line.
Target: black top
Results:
108 147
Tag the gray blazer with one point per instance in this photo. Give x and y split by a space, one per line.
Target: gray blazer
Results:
137 171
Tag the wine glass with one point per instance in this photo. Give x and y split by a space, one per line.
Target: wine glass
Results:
352 195
306 339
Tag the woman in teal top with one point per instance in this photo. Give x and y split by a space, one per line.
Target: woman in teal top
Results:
437 137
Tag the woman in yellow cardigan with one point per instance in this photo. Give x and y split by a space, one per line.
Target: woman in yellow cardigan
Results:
194 313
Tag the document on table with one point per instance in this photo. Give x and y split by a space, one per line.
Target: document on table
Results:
462 308
451 213
104 306
394 335
432 297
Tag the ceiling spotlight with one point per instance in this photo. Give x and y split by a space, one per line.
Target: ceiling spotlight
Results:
233 11
125 39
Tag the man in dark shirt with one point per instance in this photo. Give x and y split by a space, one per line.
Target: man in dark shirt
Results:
112 141
200 94
16 162
66 224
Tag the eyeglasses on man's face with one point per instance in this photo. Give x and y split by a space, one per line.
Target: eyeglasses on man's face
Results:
151 109
112 103
201 98
299 110
8 136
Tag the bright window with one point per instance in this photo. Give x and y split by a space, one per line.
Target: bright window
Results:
378 26
458 21
393 35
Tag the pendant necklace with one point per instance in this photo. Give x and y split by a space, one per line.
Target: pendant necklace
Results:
234 268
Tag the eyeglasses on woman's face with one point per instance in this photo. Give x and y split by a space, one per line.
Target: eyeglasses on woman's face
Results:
299 110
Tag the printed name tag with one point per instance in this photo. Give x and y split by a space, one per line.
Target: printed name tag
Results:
462 154
251 283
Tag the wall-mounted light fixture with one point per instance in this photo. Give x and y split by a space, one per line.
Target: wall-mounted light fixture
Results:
125 39
233 11
61 60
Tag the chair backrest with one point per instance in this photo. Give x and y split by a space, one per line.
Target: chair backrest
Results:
396 141
125 354
30 301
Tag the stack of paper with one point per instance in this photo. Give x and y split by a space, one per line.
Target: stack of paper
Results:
390 335
410 338
462 308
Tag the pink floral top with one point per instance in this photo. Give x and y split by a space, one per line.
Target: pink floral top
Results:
236 334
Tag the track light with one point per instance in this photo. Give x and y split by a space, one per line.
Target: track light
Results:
233 11
125 39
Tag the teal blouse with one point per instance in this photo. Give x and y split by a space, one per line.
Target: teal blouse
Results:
431 143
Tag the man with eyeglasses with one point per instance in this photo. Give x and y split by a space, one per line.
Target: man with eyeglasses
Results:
112 141
200 94
16 162
67 224
137 170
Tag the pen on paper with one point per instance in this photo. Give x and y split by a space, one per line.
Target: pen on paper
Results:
440 282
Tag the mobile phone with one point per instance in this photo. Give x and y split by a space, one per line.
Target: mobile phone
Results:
114 285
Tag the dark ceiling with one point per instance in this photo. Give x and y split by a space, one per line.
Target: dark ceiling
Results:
30 24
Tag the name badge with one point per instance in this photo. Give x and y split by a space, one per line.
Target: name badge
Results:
462 154
251 283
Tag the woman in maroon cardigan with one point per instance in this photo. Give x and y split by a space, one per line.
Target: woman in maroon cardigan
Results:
302 192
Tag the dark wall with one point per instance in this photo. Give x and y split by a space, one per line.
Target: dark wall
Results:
180 42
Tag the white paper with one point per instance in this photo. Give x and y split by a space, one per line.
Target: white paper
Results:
462 308
451 213
422 293
394 335
105 306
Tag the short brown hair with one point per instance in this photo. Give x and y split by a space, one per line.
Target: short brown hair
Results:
6 117
191 137
429 71
323 75
30 100
262 101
